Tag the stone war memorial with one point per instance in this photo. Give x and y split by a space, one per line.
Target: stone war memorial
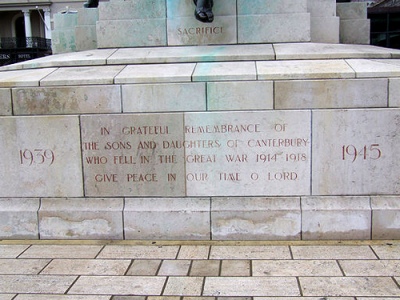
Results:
269 120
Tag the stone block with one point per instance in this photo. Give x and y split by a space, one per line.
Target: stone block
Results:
132 9
133 155
366 68
240 95
82 76
24 77
81 218
85 37
185 8
350 93
164 97
353 10
63 41
167 218
248 153
5 102
189 31
274 28
225 71
261 7
336 218
156 73
131 33
321 8
18 218
355 31
67 100
65 21
88 16
394 92
385 217
354 152
182 54
255 219
41 157
325 30
303 69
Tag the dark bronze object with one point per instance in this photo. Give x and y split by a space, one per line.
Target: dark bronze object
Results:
91 4
203 11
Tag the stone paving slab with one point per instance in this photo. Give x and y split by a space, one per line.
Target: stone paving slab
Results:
332 252
62 251
349 286
22 266
35 284
169 270
118 285
251 286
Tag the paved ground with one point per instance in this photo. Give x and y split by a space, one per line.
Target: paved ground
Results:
241 270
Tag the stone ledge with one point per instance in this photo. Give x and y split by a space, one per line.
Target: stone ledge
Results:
219 218
286 51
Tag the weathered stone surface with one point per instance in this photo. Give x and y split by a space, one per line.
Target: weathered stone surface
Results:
304 69
225 71
365 68
42 157
353 152
325 29
240 95
271 7
350 93
133 155
394 92
157 73
82 76
18 218
355 10
321 8
251 286
131 33
23 77
385 217
67 100
189 31
164 97
133 9
81 219
256 219
167 218
331 218
274 28
5 102
295 268
85 37
63 41
35 284
248 153
355 31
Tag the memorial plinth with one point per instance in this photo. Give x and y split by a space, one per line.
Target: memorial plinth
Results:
282 141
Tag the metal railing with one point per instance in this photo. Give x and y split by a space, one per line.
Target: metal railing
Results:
23 43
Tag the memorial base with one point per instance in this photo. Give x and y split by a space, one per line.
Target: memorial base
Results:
241 142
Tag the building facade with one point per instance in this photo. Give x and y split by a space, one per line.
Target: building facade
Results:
25 28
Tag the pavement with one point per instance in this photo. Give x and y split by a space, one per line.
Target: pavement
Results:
154 270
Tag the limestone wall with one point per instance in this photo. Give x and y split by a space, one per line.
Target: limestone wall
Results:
256 142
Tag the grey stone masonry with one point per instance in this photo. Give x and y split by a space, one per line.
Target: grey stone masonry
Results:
286 141
138 23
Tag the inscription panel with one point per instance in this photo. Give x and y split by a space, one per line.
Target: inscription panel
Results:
355 152
197 154
248 153
41 157
123 155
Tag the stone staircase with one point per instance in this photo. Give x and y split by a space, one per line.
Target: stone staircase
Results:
264 141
